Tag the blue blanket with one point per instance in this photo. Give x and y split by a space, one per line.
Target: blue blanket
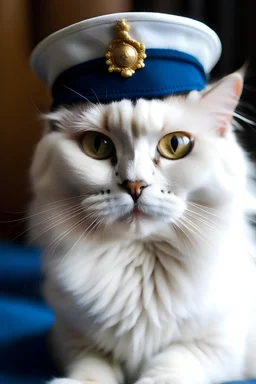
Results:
24 319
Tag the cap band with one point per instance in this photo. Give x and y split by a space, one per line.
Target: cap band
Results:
166 72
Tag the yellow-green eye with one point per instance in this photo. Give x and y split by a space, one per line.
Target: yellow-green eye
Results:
175 145
97 145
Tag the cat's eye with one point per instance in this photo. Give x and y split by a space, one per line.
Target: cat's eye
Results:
175 145
97 145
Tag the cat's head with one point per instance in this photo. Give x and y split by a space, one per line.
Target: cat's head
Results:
136 165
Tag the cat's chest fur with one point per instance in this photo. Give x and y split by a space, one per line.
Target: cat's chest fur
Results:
131 299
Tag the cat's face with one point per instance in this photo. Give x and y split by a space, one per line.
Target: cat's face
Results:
140 165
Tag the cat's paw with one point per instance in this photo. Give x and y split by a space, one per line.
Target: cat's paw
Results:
64 381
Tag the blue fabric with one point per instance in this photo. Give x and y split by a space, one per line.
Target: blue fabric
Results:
25 319
166 72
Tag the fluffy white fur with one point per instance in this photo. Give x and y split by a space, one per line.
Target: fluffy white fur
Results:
167 296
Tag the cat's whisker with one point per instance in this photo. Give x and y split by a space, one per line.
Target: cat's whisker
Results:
203 216
240 127
79 94
61 215
171 184
80 197
70 210
99 103
207 210
77 241
104 228
95 224
237 126
102 220
193 229
96 106
206 207
202 219
197 221
182 233
35 106
64 209
178 223
243 118
40 212
249 88
54 244
193 225
175 225
60 222
67 209
246 105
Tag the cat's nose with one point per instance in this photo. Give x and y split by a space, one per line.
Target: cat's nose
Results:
134 188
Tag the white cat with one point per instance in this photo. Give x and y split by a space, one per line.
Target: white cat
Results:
140 209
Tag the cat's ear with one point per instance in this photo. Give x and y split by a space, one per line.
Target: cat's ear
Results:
220 100
56 120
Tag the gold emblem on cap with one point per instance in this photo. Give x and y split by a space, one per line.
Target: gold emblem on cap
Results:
124 54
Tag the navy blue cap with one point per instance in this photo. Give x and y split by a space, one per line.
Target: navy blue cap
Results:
131 55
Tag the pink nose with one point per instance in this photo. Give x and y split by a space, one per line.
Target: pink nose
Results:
134 188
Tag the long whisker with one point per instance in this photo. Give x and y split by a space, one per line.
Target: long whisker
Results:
181 233
179 226
60 201
55 243
34 105
249 88
86 231
203 216
206 207
77 241
193 225
243 118
69 230
208 210
59 222
40 212
192 228
246 105
72 209
79 94
99 103
201 219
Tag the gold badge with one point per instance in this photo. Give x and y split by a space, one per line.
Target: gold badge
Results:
124 54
